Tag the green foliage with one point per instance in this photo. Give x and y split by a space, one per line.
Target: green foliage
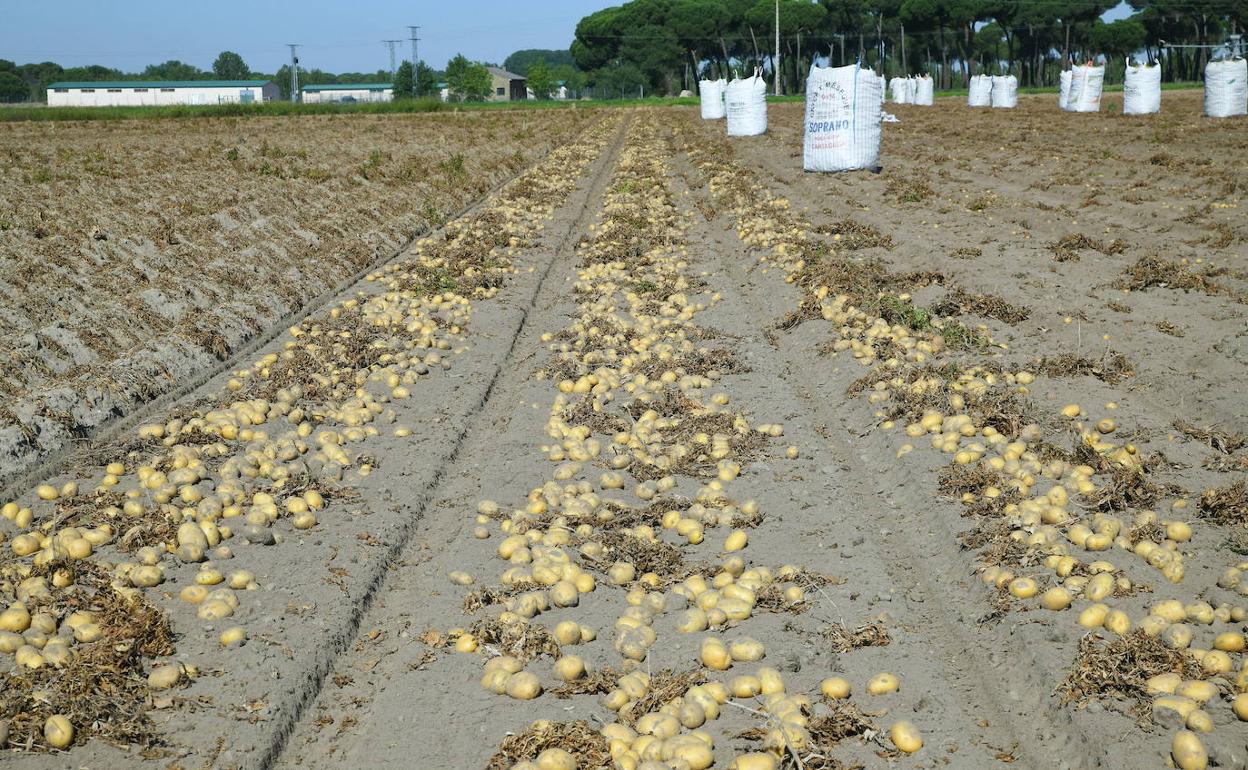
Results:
13 88
230 66
468 80
403 85
520 61
174 70
541 80
426 80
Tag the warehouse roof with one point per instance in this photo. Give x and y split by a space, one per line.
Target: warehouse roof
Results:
162 84
348 87
502 73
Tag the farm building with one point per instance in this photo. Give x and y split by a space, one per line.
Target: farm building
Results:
347 92
507 86
126 93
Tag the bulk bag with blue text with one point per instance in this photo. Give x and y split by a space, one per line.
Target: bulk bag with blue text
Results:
745 101
712 98
842 119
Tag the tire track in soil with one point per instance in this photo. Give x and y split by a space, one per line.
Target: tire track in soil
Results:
908 534
15 482
487 419
242 719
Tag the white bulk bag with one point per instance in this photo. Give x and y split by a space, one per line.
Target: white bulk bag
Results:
901 94
981 91
1085 88
1226 88
1141 89
1004 91
745 102
924 91
883 81
912 91
712 98
842 119
1063 95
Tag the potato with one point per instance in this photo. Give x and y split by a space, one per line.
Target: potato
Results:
555 759
234 636
163 677
569 668
834 688
714 655
905 736
1055 599
737 540
1240 706
1022 588
744 686
882 684
746 650
1188 752
523 686
58 731
754 761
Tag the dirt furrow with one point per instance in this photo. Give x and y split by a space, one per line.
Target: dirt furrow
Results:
305 596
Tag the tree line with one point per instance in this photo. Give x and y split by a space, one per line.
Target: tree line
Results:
664 46
465 80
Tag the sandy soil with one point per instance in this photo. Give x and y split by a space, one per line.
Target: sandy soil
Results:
139 255
995 243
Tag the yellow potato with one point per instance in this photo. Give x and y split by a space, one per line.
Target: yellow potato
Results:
1188 752
882 684
58 731
834 688
905 736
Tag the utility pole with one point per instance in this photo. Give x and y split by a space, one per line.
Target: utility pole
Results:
415 70
294 71
390 44
776 60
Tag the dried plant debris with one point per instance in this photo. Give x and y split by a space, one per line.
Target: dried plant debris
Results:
961 302
665 686
1121 668
1111 369
854 235
842 720
1153 271
1067 248
1221 440
841 640
586 745
1165 327
103 689
1225 505
519 639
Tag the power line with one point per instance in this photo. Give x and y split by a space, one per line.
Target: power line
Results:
294 71
391 44
415 69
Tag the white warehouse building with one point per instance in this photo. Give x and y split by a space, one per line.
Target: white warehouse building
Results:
131 93
347 92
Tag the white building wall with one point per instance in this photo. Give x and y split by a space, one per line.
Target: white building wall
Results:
128 97
336 95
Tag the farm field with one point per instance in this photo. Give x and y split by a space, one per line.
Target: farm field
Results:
141 255
668 454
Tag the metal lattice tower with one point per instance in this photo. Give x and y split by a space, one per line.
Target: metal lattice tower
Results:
415 71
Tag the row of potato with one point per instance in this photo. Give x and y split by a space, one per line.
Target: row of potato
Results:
1039 497
287 434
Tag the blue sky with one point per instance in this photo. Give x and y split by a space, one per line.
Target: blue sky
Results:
337 36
